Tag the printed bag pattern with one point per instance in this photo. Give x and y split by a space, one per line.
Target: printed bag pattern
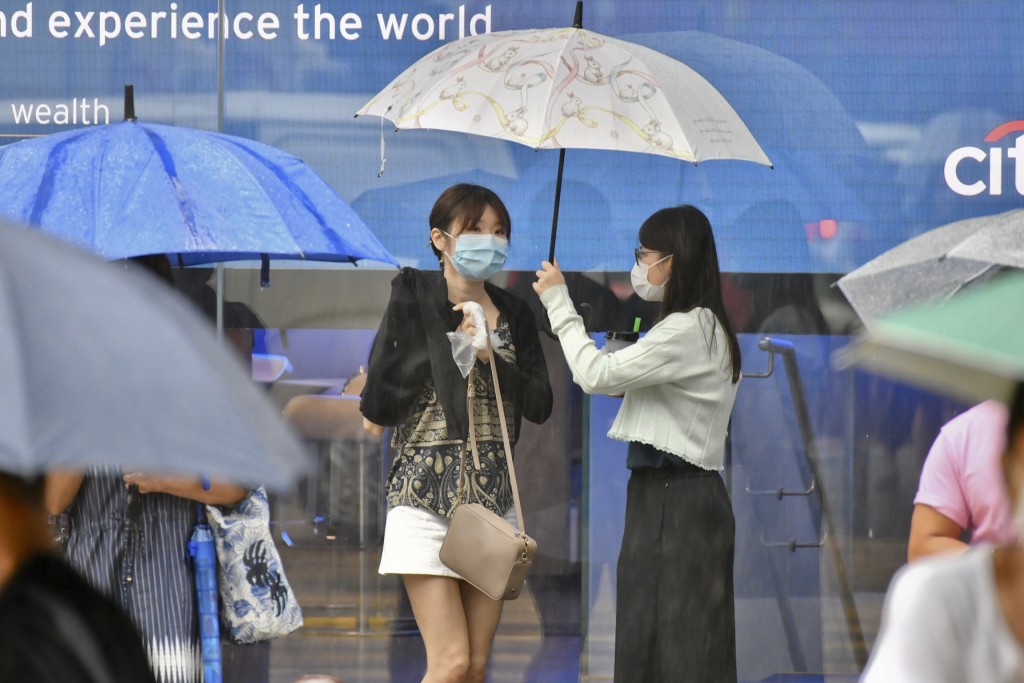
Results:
256 601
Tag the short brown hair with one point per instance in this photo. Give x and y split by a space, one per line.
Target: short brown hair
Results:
462 205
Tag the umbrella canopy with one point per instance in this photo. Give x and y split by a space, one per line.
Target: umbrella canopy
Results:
568 88
970 347
821 172
781 102
130 188
102 365
936 264
820 181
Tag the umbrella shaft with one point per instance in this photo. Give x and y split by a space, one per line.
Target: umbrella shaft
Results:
558 200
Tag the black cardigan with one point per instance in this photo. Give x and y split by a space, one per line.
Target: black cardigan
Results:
412 345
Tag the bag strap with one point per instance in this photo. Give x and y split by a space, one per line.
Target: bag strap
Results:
470 440
504 436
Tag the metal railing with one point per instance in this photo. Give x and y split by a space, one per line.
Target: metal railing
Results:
827 527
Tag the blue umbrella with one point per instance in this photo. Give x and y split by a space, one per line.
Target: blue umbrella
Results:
131 188
822 173
780 100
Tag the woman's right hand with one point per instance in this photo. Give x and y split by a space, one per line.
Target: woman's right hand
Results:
548 276
469 327
373 428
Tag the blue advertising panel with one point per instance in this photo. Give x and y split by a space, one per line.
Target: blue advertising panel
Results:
883 119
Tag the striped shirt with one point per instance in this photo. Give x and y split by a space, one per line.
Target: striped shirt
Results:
136 552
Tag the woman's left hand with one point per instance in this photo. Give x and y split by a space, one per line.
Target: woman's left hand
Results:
548 276
192 488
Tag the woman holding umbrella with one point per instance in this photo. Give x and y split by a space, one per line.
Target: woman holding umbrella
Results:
414 384
674 614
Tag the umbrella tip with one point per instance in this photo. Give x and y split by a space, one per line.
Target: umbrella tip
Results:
577 21
129 103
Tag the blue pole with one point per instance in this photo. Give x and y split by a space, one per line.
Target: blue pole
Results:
204 558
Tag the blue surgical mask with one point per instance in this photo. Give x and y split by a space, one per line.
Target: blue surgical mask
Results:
478 257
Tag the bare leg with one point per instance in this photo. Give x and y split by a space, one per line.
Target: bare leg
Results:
482 617
437 605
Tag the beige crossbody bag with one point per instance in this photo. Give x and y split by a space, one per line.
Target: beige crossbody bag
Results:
481 546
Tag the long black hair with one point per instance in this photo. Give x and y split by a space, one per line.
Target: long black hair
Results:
695 281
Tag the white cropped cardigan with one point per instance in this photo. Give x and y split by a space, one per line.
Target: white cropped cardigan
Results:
678 392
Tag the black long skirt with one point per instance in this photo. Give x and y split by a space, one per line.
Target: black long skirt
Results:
674 619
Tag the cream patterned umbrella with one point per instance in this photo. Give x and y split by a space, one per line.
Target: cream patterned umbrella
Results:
568 88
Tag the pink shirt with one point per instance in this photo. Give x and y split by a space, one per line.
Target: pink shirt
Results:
962 477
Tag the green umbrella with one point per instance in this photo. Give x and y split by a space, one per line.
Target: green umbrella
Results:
970 346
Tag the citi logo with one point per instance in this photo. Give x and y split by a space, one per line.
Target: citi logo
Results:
963 158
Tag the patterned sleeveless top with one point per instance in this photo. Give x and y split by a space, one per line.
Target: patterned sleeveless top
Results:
426 470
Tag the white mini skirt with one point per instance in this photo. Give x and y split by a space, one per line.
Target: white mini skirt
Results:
412 541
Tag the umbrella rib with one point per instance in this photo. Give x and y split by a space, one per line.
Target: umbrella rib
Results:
972 279
296 191
45 193
184 203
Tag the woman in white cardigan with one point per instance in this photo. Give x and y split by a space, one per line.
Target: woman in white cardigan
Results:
674 614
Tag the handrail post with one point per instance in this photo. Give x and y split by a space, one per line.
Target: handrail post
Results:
788 352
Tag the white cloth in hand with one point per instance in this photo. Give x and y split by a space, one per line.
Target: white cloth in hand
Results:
464 346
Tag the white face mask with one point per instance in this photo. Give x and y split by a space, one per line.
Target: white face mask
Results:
642 286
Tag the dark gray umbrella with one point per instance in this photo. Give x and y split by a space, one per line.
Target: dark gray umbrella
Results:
936 264
101 365
968 347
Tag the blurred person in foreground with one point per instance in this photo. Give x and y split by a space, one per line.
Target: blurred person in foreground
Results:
128 537
961 487
54 627
960 618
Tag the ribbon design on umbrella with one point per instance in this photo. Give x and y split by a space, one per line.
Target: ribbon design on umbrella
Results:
530 60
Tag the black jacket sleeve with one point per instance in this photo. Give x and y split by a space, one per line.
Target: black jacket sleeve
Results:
399 362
